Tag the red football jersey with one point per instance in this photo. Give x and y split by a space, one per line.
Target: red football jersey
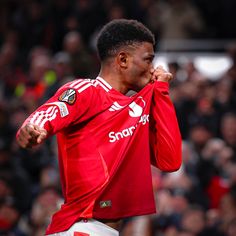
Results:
107 142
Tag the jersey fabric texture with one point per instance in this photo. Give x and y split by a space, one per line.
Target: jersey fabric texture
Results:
106 144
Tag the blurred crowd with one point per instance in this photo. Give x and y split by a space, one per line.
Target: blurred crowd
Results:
44 44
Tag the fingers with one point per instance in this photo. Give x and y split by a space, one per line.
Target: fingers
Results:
32 130
42 136
160 74
30 135
21 142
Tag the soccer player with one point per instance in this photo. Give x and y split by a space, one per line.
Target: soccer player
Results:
107 140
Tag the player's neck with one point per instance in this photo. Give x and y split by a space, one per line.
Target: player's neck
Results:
114 79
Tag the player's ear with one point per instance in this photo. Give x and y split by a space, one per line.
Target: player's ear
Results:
122 60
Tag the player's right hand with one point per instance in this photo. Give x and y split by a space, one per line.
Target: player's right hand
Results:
160 74
30 135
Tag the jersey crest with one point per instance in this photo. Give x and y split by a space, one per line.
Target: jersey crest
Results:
136 107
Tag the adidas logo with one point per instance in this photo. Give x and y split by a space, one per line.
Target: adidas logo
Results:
104 204
136 107
116 107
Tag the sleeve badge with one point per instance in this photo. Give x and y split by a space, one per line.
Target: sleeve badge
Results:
68 96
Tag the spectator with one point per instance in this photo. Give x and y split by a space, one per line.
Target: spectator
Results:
81 61
61 73
11 72
228 129
45 204
180 20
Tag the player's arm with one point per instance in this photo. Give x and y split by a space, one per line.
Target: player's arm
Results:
165 138
66 107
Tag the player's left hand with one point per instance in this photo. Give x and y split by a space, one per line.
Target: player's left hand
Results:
160 74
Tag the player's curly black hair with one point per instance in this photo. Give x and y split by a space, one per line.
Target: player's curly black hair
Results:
121 32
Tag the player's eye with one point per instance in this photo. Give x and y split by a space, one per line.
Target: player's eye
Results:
149 60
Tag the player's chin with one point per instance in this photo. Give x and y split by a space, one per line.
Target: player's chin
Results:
145 82
141 86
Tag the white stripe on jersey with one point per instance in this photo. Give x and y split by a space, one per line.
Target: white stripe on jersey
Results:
62 107
104 82
75 82
84 87
79 82
83 84
103 86
41 117
49 118
116 107
112 109
43 114
95 83
37 114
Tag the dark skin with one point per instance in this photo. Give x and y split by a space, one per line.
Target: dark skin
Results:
130 69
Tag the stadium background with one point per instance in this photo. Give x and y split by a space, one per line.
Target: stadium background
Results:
43 44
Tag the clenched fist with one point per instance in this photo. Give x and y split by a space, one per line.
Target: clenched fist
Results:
160 74
30 135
